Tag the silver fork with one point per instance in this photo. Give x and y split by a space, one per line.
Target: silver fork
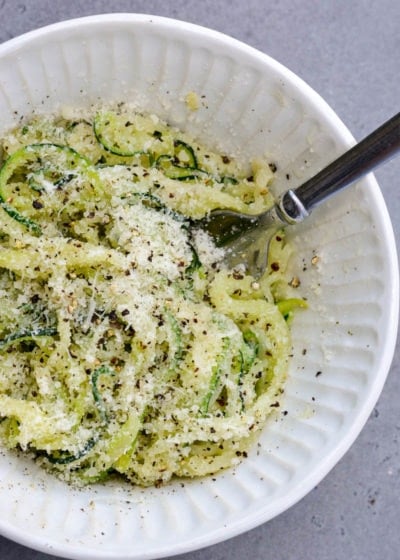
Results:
246 238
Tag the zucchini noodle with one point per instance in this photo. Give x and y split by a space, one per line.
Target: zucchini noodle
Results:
126 345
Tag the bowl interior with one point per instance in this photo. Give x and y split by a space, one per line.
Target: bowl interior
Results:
345 257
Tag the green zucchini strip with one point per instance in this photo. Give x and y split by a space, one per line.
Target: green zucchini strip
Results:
151 201
64 457
195 263
30 225
56 176
215 379
98 399
118 135
184 155
26 334
166 164
45 167
178 348
287 306
248 355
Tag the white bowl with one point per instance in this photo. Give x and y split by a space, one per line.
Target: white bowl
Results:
251 105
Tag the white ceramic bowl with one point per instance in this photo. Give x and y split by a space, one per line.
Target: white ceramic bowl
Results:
251 105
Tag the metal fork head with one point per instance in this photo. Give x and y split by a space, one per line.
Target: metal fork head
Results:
245 238
250 252
225 226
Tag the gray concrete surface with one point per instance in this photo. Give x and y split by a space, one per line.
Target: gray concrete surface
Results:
349 51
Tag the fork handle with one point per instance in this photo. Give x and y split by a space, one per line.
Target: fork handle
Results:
376 148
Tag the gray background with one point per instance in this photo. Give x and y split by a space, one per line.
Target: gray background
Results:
349 51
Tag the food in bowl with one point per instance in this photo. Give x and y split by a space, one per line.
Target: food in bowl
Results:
127 346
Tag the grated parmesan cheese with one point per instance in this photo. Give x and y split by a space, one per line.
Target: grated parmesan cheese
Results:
126 345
